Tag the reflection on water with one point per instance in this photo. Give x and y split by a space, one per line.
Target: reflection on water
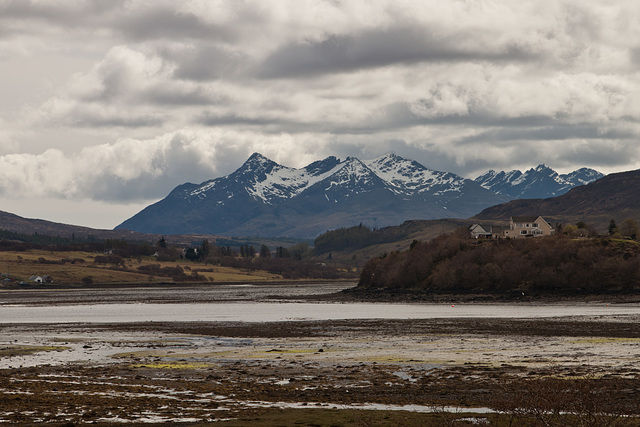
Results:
295 311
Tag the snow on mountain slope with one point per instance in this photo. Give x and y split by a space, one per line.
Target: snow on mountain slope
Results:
268 181
408 177
265 198
350 176
538 182
285 183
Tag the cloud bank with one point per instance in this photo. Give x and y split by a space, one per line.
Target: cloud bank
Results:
123 100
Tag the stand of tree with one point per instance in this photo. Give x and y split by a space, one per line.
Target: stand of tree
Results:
557 264
353 238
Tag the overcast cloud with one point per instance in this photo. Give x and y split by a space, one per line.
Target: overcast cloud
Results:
114 103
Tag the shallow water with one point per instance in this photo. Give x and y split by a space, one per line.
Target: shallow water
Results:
294 311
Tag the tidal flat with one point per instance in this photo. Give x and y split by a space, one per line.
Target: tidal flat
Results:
365 371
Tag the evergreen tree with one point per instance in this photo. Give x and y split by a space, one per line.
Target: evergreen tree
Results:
204 249
265 252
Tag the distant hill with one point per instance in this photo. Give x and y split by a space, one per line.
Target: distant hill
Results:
263 198
615 196
537 183
18 224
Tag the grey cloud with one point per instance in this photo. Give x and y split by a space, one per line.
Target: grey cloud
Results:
634 55
265 124
549 132
392 117
89 120
208 62
377 48
593 155
176 98
63 14
164 23
400 116
168 168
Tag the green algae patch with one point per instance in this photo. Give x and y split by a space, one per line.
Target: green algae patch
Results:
74 340
173 365
139 354
25 350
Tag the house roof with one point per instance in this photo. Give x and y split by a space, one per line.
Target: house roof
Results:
524 218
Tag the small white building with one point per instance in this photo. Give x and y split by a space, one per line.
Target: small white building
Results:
479 231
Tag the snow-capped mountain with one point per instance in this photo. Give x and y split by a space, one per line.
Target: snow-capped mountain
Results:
263 198
537 183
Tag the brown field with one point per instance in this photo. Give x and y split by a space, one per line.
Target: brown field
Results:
69 268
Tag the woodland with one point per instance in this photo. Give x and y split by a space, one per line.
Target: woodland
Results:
560 264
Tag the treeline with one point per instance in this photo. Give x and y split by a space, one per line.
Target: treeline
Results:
294 262
555 264
13 241
291 268
357 237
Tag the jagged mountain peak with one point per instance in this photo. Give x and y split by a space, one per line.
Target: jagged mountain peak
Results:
542 167
539 182
265 198
257 162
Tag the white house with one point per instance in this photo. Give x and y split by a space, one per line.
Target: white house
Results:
528 226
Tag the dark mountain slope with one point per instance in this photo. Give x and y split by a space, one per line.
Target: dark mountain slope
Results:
615 196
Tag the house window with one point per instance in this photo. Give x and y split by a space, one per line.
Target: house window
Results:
523 231
534 225
527 225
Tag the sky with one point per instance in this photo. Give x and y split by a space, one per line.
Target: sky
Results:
107 105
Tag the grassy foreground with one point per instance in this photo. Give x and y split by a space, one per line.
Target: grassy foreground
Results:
76 268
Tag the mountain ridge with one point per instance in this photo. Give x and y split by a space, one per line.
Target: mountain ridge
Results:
536 183
264 198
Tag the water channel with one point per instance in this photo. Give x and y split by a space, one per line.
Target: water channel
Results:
292 311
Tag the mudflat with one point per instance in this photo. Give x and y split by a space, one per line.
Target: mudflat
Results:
242 372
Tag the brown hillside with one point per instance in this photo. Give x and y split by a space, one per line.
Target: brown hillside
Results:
18 224
615 196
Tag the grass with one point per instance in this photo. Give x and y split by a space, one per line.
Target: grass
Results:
25 350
